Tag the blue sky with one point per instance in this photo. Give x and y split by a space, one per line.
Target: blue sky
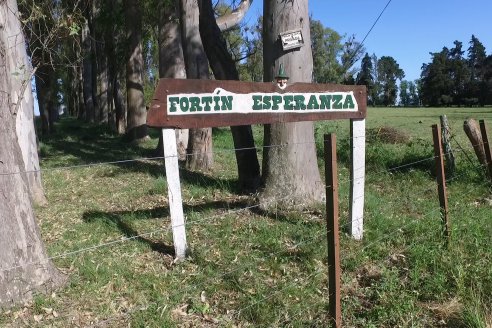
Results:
408 29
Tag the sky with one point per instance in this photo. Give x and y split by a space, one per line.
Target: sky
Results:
408 29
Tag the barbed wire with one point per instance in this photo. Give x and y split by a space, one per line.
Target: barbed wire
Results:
87 249
238 268
153 158
193 287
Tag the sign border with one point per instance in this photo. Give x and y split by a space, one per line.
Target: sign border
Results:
157 115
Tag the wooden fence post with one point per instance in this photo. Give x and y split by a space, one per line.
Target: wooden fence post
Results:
174 192
331 180
486 145
441 181
357 176
448 151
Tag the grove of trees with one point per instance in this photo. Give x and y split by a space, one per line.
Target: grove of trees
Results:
453 79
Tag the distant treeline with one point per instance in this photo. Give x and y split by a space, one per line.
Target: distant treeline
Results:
450 79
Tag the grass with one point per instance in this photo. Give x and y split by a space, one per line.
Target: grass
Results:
250 268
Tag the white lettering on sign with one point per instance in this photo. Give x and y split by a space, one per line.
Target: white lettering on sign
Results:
222 101
291 39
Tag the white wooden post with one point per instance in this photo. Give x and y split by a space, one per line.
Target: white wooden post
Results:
174 192
357 176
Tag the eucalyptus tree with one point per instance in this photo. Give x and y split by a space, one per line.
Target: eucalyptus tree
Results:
196 63
136 110
24 265
171 61
290 170
224 68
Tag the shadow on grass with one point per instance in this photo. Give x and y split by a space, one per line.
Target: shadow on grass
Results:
94 144
89 143
122 220
123 223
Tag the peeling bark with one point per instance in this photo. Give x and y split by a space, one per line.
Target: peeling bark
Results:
21 92
24 265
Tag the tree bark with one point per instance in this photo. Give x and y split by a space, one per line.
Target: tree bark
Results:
24 265
21 92
43 78
200 156
171 65
87 70
137 113
290 171
101 70
115 73
82 109
224 68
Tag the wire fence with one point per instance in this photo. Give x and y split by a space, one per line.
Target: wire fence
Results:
215 278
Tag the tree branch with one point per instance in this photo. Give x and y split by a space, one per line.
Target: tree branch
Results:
229 21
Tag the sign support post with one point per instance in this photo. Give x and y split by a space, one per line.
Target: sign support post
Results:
357 176
174 193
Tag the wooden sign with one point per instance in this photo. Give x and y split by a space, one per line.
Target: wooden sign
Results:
208 103
183 104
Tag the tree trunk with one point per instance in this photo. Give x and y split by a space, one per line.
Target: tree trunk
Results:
21 91
110 54
43 89
171 65
137 113
82 109
73 102
101 74
290 172
224 68
200 156
119 105
24 265
102 86
87 71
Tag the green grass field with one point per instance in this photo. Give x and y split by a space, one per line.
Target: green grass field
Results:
249 268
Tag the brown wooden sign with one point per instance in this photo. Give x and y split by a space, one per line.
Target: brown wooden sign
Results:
183 104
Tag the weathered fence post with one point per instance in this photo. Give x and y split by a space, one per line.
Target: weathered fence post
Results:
441 181
472 130
331 180
174 192
486 145
357 176
448 151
